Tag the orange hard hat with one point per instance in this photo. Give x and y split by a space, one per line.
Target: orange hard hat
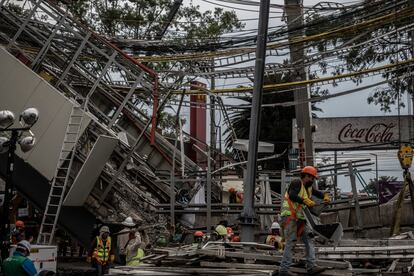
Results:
19 223
232 190
236 239
229 231
310 170
198 234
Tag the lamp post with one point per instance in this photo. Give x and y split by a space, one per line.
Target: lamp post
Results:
8 144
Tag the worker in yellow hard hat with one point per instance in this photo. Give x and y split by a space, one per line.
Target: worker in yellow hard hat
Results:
298 197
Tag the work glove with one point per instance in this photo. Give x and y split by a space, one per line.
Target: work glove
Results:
309 202
88 259
326 198
112 258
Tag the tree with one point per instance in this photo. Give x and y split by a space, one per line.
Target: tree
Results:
276 122
144 19
380 38
372 186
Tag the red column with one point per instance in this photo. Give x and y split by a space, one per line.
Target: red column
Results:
198 123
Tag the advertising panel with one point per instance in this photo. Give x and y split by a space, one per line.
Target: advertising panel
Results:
358 132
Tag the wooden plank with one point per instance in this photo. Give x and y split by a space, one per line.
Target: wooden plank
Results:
271 268
272 258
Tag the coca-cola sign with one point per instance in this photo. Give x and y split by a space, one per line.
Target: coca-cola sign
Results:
357 132
376 133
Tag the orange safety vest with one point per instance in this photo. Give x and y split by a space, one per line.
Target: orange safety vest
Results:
101 252
294 210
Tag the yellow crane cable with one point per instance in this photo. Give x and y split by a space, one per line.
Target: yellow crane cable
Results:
381 20
296 83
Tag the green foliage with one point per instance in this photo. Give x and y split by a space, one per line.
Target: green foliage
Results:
143 19
372 185
276 122
372 45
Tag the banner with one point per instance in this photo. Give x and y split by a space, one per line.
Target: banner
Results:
358 132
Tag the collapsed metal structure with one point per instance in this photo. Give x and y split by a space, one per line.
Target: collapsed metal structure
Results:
118 94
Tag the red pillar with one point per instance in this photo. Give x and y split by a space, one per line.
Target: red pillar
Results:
198 123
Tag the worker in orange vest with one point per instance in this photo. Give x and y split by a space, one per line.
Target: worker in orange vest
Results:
298 197
101 252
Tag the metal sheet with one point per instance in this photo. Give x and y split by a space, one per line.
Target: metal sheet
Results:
90 171
357 132
21 88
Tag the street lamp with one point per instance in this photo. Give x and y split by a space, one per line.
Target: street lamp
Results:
18 135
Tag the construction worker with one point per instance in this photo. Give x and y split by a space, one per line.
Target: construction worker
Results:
274 238
198 239
232 195
19 264
235 238
101 253
298 197
18 233
221 233
230 233
123 238
134 249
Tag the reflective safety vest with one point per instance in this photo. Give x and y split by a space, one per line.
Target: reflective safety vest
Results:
272 239
102 251
14 266
135 260
292 209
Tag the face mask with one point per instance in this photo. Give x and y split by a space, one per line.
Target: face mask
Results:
309 183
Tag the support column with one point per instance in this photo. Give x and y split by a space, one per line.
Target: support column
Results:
294 12
248 215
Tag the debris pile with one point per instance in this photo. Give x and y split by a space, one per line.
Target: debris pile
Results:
350 257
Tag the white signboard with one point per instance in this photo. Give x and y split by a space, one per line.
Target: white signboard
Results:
358 132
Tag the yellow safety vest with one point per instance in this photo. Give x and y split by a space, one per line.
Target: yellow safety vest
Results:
294 209
271 239
101 253
135 261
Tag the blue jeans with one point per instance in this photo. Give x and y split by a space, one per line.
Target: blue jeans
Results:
290 235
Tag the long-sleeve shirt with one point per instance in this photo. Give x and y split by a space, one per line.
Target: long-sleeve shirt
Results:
122 239
294 189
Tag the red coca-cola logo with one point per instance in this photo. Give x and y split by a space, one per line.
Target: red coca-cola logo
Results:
377 133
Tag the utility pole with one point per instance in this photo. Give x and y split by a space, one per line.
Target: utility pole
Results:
294 13
213 133
248 215
211 152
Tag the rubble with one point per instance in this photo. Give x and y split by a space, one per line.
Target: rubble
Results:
350 257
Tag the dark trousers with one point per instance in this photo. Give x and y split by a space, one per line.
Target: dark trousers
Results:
100 269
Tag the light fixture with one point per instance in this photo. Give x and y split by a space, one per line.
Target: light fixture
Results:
6 118
4 144
29 116
27 143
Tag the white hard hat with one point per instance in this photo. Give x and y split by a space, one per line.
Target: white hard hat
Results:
128 222
24 245
104 229
275 225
